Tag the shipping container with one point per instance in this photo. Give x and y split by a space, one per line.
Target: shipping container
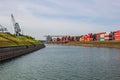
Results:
100 35
117 35
109 36
83 38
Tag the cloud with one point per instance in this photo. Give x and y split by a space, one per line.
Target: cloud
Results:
61 17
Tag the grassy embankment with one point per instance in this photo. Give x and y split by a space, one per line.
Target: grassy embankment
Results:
108 44
7 40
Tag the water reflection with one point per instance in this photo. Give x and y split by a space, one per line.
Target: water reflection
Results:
64 63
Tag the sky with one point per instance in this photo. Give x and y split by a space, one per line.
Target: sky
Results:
61 17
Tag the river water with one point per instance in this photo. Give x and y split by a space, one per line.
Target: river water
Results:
64 63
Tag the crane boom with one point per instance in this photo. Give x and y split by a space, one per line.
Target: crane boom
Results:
13 20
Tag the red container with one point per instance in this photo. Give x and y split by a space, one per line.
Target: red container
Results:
88 39
54 39
83 38
117 37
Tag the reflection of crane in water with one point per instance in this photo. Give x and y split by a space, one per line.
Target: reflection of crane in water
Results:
16 26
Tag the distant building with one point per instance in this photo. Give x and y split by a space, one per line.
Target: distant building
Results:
48 38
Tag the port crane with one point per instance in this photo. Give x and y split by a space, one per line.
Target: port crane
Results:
2 28
16 26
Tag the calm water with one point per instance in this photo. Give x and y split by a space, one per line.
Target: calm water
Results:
64 63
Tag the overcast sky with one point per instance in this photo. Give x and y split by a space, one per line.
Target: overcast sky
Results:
61 17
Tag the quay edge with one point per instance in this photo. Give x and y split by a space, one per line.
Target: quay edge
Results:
13 52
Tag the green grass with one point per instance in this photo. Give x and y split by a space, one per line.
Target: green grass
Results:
107 44
11 40
93 42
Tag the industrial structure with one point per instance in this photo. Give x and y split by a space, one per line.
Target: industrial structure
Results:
16 26
3 29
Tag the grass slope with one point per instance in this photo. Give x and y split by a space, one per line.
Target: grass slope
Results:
7 40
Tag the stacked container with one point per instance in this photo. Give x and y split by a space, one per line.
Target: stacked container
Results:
98 37
108 36
90 37
64 39
58 39
101 36
117 35
54 39
83 38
